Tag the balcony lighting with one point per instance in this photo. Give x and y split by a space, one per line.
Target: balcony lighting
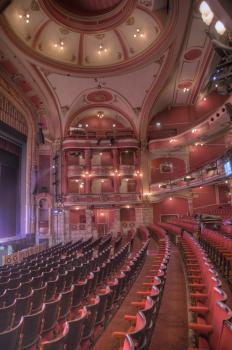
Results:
220 28
206 13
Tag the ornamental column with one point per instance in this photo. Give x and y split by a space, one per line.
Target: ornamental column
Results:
116 170
65 174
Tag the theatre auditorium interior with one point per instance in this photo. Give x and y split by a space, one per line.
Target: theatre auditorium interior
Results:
115 175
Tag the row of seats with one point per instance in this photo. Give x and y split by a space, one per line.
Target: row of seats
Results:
225 213
211 317
85 305
188 226
142 323
48 293
226 230
219 249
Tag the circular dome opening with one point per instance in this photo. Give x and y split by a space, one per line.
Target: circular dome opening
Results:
88 7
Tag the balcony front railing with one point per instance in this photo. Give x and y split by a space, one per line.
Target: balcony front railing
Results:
101 198
209 174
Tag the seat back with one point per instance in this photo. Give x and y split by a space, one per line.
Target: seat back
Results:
128 343
57 343
23 307
11 339
148 311
61 283
6 317
31 328
139 334
226 336
220 313
76 327
91 318
102 305
66 303
51 289
51 314
38 297
78 293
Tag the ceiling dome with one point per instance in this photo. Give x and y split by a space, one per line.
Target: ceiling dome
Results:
87 7
117 33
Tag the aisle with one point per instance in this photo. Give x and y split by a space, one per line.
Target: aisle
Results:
106 341
171 330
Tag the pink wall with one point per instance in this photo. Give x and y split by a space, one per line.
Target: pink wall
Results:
175 206
131 186
73 160
107 186
44 172
77 216
106 158
182 118
127 214
201 155
95 123
204 196
223 193
178 169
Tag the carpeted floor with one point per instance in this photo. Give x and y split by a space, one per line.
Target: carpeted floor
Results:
107 341
171 331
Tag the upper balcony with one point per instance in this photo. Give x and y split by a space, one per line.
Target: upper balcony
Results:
80 138
168 140
211 173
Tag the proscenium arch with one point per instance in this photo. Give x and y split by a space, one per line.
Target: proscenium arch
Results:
30 156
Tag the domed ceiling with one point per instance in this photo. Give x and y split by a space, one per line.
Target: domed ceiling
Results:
88 34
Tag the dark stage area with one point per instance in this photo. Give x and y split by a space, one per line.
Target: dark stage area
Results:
9 189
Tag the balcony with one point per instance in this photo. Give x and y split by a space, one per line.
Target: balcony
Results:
127 170
215 123
101 170
209 174
74 170
102 198
72 142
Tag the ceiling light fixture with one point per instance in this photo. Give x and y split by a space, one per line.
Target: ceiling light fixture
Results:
102 49
25 16
206 13
220 28
60 45
100 114
138 33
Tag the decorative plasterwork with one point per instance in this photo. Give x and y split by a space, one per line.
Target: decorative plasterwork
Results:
127 43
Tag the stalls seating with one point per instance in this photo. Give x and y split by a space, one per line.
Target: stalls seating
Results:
137 332
76 327
31 329
57 343
12 338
